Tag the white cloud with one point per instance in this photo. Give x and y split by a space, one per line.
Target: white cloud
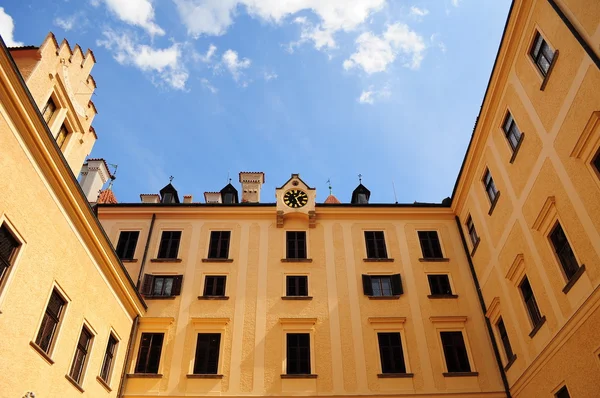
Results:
418 12
66 23
366 97
270 76
234 64
440 44
206 84
455 2
370 95
6 29
165 65
375 53
135 12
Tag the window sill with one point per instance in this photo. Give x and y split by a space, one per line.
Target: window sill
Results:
516 150
217 260
493 205
475 246
574 279
296 297
166 260
213 297
550 69
150 297
75 384
204 376
460 374
39 350
305 376
129 260
103 383
378 260
434 260
384 297
395 375
442 296
510 362
538 327
296 260
144 375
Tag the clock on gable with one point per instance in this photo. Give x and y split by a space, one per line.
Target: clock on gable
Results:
295 200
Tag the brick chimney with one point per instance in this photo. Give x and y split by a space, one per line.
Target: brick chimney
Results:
94 174
251 184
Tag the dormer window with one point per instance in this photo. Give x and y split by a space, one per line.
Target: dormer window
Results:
229 195
169 194
362 198
361 195
228 198
168 198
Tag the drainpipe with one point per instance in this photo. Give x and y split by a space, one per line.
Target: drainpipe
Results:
483 309
134 328
139 280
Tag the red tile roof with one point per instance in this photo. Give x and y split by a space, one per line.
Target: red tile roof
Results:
107 196
332 200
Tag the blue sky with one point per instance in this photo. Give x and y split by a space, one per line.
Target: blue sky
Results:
329 89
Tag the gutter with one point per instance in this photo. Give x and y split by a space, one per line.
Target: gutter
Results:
483 309
139 280
134 328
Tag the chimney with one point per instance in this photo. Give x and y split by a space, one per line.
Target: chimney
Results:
187 198
150 198
251 184
94 174
212 197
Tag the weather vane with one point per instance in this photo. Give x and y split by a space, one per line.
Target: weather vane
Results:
329 183
360 178
171 179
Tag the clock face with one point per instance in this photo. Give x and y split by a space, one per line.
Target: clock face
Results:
295 198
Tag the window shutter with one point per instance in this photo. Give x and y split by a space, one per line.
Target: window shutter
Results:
176 290
367 288
147 285
396 285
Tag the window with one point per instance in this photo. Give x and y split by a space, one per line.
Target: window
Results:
168 198
81 353
504 338
439 285
563 393
215 286
50 322
530 303
228 198
597 162
49 110
296 285
298 353
430 244
296 244
375 244
219 244
512 132
472 231
109 357
563 251
149 353
390 352
490 187
362 199
126 245
169 244
61 137
455 352
162 285
541 53
8 248
382 285
207 353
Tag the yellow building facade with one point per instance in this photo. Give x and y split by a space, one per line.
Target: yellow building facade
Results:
492 293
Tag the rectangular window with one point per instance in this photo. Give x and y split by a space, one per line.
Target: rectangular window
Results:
439 285
541 53
296 285
162 285
375 244
563 251
215 286
8 248
149 353
390 352
597 162
169 244
504 338
61 137
219 244
50 322
109 357
81 353
382 285
472 231
455 352
298 353
563 393
490 187
127 243
296 244
430 244
49 110
512 132
207 353
530 303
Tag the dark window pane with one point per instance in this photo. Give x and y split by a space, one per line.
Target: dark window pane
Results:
513 134
430 244
207 353
50 321
109 356
149 353
296 244
375 242
49 110
298 353
382 285
169 244
127 243
542 54
563 251
80 355
362 198
530 303
490 187
62 136
472 232
563 393
504 338
219 244
390 352
439 284
455 352
8 247
597 162
297 285
214 285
